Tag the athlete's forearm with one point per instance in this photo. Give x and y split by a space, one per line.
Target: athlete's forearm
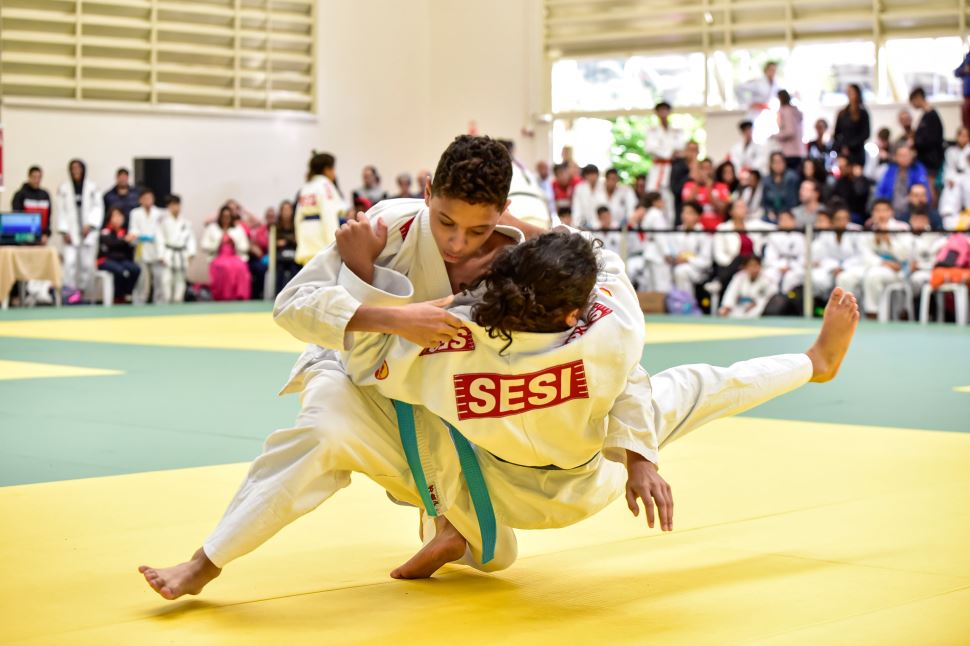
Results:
374 318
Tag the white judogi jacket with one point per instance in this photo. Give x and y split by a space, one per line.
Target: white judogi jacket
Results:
175 242
585 202
543 401
145 225
529 200
784 250
622 203
727 247
212 239
749 157
317 217
742 290
829 252
652 245
899 247
926 246
695 248
68 220
316 306
661 144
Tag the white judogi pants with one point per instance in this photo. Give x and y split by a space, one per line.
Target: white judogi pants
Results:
851 280
343 428
170 287
874 284
152 273
79 264
686 276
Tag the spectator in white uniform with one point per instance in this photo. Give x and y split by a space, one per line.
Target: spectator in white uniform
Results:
887 255
587 197
746 154
784 254
926 246
689 254
78 216
837 256
144 225
619 197
749 291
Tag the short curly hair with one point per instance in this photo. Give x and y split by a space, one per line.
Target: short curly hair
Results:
477 170
533 286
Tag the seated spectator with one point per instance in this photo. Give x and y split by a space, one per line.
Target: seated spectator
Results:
919 200
286 266
905 119
780 188
228 246
608 232
640 187
176 249
725 174
816 171
423 180
752 194
117 255
563 187
810 203
701 188
31 198
748 240
900 177
620 198
926 246
544 174
956 166
121 195
877 164
789 135
688 255
371 192
746 154
587 198
837 256
646 265
403 186
748 292
784 255
852 188
820 148
886 255
259 251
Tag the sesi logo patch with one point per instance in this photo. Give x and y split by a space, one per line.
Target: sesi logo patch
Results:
596 312
481 395
461 343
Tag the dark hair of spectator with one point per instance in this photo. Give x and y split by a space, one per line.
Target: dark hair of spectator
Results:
650 199
476 170
121 171
642 176
719 174
917 92
225 210
750 260
884 134
173 199
600 210
590 169
533 286
693 205
662 105
882 201
755 173
34 169
784 97
146 190
319 163
747 124
612 171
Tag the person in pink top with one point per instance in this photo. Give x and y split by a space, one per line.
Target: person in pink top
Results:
228 244
790 131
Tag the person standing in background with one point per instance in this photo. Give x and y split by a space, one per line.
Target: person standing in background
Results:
680 172
819 149
423 179
544 173
587 198
963 73
759 92
620 198
403 186
907 138
286 267
371 189
928 137
790 131
176 248
78 215
745 154
852 127
31 198
320 207
121 196
144 225
662 142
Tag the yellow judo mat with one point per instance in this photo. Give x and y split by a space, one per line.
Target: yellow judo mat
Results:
785 533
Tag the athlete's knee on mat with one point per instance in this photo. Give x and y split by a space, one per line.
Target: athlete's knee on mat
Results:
505 556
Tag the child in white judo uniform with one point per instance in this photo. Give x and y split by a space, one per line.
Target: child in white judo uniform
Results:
440 244
886 251
837 255
176 247
784 254
748 292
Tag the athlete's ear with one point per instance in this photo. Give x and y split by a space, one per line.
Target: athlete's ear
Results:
427 192
508 203
572 318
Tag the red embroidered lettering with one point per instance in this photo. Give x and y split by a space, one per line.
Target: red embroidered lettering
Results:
596 312
461 343
480 395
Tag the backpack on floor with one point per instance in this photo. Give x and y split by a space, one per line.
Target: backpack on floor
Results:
681 302
955 253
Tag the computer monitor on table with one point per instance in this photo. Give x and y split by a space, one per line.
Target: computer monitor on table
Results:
20 228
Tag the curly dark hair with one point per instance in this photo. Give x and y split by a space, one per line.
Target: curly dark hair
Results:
533 286
477 170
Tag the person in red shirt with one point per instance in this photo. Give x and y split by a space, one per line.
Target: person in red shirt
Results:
563 187
713 196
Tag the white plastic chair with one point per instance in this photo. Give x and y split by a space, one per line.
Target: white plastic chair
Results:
889 308
103 285
961 295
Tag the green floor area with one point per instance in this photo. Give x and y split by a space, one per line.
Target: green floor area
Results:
182 407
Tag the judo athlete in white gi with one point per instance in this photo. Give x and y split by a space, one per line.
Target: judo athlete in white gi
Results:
784 255
662 142
78 217
886 255
926 246
748 292
836 257
176 247
689 254
319 209
144 224
439 244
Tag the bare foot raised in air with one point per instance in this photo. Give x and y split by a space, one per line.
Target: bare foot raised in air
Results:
446 546
838 325
185 578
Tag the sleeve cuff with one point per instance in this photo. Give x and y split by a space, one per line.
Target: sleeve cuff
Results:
615 451
390 288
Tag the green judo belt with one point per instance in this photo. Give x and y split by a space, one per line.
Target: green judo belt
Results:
469 466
